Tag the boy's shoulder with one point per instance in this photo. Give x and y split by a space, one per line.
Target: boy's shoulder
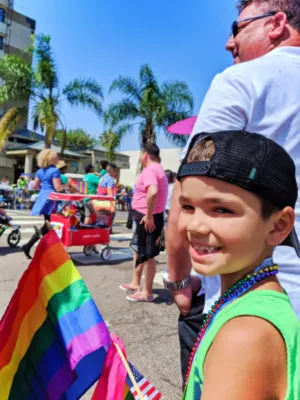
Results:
242 346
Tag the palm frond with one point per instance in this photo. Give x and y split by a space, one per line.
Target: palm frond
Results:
177 95
112 138
45 116
177 140
46 72
147 77
9 122
88 85
85 93
128 86
124 110
16 77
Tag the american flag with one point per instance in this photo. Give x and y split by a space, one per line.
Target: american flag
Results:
149 392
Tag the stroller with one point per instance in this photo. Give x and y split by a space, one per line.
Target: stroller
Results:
6 196
14 236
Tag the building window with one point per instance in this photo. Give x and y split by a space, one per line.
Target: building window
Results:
1 43
2 15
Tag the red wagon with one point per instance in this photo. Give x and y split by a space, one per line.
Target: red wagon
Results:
83 235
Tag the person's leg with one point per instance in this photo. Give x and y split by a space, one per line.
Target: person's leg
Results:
137 274
136 278
150 270
146 294
36 236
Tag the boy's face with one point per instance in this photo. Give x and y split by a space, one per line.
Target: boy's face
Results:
223 225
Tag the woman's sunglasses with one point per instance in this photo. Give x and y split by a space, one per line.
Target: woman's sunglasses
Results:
235 25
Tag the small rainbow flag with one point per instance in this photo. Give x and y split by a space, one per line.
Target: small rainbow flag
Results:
53 340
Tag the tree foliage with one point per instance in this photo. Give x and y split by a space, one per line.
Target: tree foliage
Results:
112 137
75 139
40 84
151 106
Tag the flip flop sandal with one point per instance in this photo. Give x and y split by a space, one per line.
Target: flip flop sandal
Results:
137 297
128 288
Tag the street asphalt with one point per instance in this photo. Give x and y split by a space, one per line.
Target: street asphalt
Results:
149 330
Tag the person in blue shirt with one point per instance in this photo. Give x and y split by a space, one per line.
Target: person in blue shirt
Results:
47 180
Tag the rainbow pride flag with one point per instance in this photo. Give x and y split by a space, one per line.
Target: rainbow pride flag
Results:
53 340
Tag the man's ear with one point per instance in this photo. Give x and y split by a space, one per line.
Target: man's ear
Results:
279 22
282 225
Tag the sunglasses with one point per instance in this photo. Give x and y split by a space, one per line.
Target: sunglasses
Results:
235 25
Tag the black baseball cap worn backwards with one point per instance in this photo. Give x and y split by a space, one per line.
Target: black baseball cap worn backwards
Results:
252 162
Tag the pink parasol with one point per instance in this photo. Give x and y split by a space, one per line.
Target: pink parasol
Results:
183 127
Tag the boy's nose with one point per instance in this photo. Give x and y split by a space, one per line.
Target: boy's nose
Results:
198 226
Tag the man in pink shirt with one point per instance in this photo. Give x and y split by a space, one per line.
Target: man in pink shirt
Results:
148 205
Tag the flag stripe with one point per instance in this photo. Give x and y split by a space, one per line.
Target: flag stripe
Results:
127 393
37 311
78 321
87 342
52 361
146 388
151 390
155 396
72 297
60 382
141 384
33 319
27 370
28 289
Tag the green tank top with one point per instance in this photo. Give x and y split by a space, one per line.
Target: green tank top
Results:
272 306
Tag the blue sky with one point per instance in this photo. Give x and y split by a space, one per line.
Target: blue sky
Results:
103 39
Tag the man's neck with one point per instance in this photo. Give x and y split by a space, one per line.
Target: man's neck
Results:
151 162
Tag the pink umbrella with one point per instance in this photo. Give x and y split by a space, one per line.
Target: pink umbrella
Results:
183 127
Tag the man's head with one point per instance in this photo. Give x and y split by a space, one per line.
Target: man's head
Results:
149 154
238 194
262 32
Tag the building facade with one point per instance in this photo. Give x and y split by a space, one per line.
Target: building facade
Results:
23 146
16 31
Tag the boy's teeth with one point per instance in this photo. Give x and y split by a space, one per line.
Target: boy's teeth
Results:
203 249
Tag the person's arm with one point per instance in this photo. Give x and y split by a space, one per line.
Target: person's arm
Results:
36 184
58 185
179 262
224 108
247 360
148 220
109 188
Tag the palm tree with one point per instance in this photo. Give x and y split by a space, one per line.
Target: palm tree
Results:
112 137
151 106
40 84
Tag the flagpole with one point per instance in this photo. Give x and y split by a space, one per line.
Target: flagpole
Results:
129 371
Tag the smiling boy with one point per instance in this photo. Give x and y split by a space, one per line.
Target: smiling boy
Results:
238 192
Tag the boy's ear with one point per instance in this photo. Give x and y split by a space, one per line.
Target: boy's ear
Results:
282 226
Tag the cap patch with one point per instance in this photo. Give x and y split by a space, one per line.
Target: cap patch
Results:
252 173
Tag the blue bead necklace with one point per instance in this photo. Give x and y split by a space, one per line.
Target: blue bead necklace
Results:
263 271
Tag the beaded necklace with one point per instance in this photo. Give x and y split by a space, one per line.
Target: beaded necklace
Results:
263 271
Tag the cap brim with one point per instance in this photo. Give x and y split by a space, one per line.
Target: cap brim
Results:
292 241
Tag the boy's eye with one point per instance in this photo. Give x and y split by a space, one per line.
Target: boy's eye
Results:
187 207
223 210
